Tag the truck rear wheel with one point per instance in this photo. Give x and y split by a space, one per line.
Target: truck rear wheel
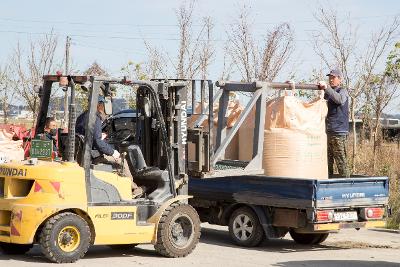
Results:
65 238
245 228
178 231
308 239
14 249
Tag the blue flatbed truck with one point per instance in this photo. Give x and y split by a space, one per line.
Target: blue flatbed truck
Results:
257 207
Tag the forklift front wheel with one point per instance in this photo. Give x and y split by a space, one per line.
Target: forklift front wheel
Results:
178 231
65 238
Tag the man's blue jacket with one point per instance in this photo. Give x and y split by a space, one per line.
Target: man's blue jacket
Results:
102 146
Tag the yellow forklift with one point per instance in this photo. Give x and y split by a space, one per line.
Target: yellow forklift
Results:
66 205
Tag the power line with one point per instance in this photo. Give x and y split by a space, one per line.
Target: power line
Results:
91 24
130 37
174 25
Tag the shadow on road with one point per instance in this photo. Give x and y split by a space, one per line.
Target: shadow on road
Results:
221 238
95 252
336 263
215 237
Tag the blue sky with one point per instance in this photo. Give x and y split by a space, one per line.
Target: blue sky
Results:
94 26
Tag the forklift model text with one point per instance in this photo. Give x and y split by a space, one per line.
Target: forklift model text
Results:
122 216
183 122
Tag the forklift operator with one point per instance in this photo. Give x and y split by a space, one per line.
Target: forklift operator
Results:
110 154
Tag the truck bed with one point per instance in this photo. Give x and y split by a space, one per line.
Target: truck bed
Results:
294 193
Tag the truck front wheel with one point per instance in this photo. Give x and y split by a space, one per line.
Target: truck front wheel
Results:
245 228
65 238
308 239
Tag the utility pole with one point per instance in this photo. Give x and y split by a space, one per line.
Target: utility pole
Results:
67 45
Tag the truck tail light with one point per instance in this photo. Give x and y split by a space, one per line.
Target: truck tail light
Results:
373 213
324 215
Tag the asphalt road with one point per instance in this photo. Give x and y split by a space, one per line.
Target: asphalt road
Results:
347 248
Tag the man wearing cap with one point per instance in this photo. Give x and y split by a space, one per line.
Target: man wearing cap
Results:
98 140
107 153
337 121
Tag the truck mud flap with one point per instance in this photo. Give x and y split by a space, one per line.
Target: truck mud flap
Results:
265 219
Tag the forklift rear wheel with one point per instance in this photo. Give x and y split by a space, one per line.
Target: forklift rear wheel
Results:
308 239
14 249
178 231
245 228
65 238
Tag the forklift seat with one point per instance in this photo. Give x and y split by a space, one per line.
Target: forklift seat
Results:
155 180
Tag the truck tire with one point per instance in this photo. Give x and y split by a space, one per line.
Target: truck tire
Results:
14 249
178 231
308 239
65 238
245 228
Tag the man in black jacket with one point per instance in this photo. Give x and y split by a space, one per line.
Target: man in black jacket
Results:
108 154
98 137
337 122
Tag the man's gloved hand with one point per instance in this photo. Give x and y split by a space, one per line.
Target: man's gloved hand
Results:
116 155
322 85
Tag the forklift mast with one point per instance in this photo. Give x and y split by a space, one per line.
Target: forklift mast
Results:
171 96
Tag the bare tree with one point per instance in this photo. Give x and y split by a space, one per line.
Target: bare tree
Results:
195 50
277 49
187 65
336 44
264 60
207 49
242 48
157 65
29 68
7 90
184 15
227 68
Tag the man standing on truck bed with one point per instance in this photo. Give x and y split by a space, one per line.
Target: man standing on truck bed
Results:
337 122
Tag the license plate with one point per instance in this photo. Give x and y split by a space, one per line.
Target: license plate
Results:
345 216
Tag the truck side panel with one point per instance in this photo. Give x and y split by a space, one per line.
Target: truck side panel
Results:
255 190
